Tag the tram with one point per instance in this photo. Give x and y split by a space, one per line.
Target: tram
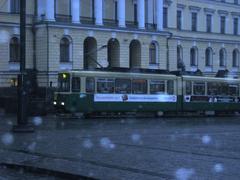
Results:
89 91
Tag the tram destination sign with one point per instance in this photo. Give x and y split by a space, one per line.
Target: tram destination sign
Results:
134 98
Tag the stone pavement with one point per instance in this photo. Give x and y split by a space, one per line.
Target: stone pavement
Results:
184 148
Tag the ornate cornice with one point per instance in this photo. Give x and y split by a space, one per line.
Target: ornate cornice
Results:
208 10
222 12
194 8
181 6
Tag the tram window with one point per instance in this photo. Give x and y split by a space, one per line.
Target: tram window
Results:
139 86
123 86
233 90
90 85
157 87
223 89
64 82
212 88
199 88
75 84
105 85
170 87
188 87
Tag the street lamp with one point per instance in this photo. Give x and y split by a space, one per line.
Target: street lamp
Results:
22 117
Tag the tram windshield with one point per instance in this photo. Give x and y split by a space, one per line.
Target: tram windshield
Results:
64 82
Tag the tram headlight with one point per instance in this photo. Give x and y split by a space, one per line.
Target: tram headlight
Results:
62 103
54 103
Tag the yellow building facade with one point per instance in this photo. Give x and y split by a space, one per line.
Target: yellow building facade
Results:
157 34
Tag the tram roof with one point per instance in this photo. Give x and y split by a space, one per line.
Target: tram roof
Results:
211 79
124 70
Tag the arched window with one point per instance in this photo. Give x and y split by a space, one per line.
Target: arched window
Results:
135 54
14 48
208 57
235 58
113 53
64 50
222 58
180 63
153 53
193 56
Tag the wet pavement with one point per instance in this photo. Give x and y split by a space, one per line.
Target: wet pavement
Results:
124 148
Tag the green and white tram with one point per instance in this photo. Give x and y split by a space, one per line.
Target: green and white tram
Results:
108 91
103 91
210 94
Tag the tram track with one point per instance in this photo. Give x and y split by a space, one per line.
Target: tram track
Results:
181 151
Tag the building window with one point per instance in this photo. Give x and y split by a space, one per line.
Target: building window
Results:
93 10
193 56
209 23
135 14
15 6
235 26
194 21
153 53
116 11
64 50
165 17
222 58
179 20
222 24
14 50
180 63
208 57
235 58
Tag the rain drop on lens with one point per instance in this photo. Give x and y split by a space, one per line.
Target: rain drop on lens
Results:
184 174
7 139
206 139
107 143
37 121
218 168
87 143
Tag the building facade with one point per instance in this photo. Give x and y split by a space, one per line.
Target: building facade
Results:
173 35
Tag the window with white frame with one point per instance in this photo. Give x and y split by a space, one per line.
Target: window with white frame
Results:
65 50
235 26
222 58
208 57
193 56
235 58
14 50
222 24
153 53
179 19
209 22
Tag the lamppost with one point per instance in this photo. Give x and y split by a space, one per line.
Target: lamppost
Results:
22 117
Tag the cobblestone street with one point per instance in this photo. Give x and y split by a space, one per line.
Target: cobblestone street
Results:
129 148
